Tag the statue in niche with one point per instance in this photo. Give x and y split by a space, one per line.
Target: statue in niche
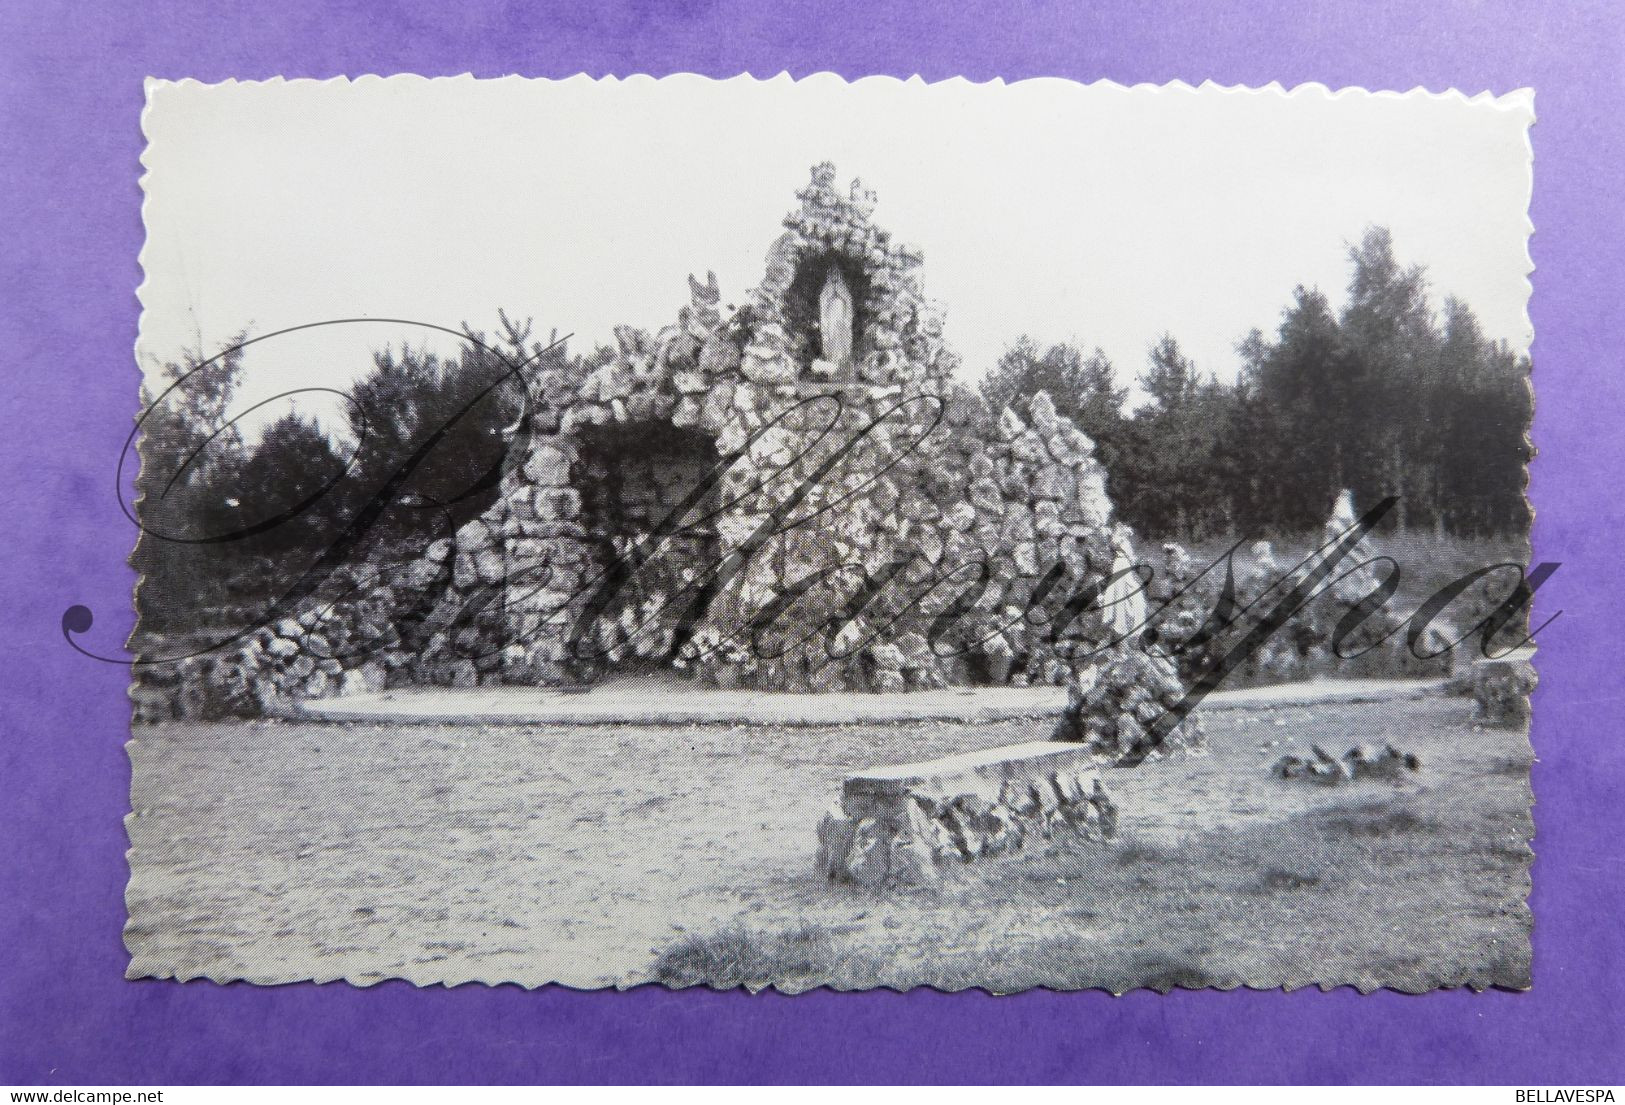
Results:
835 316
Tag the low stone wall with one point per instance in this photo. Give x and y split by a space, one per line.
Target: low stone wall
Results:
907 824
365 631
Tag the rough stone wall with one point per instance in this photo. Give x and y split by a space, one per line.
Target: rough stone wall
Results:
826 480
887 461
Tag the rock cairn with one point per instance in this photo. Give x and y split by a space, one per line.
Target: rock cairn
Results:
1500 689
1123 707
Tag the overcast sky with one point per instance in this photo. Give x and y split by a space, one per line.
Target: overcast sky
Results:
1096 214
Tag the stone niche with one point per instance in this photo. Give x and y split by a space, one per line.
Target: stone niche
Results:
910 824
632 478
829 315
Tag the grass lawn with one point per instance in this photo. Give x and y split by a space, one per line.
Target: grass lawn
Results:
1365 892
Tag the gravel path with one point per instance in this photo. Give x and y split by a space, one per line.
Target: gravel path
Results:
651 700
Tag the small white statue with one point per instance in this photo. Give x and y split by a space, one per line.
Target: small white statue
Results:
835 318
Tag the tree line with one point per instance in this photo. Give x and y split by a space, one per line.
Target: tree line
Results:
230 516
1388 396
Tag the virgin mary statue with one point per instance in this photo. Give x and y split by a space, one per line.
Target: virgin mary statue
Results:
835 318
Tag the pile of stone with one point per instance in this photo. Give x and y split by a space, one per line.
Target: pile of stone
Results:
208 686
1124 706
1501 689
910 824
1360 762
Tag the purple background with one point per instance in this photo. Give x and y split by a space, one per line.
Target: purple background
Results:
70 102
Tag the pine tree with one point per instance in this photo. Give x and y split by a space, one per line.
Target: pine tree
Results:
1084 388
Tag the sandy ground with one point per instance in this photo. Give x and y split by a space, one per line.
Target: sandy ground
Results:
287 851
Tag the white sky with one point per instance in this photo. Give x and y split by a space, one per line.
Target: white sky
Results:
1097 214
